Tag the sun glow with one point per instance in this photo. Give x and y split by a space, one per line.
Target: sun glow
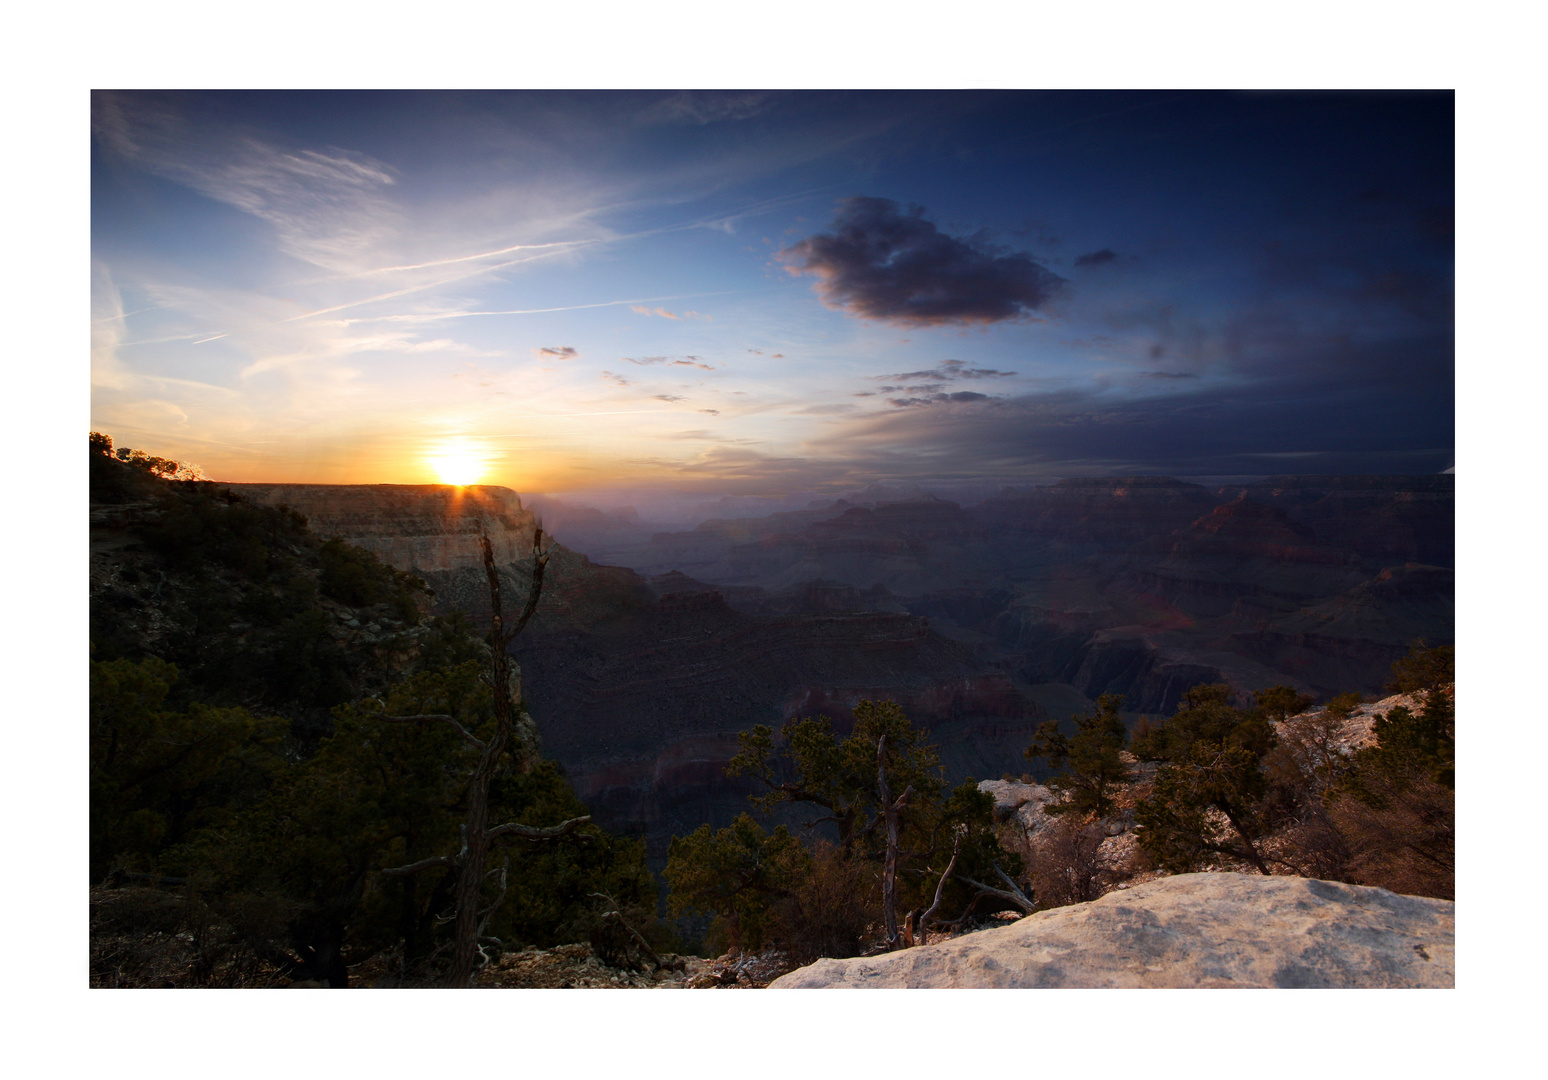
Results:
459 462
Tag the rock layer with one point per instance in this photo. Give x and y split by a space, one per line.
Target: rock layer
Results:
422 528
1193 930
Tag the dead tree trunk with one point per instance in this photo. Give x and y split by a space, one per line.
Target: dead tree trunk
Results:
477 834
890 863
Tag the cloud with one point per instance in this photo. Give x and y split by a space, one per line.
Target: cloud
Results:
557 352
712 412
330 207
880 263
616 380
949 369
686 361
641 309
708 106
669 397
1169 374
1349 413
1096 258
959 397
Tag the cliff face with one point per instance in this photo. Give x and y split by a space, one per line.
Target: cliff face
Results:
422 528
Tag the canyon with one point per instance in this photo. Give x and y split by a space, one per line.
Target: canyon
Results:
649 654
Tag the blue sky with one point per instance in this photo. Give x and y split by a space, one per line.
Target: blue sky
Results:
773 292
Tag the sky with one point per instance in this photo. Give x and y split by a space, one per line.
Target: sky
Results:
765 293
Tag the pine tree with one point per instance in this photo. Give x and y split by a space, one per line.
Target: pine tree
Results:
1092 759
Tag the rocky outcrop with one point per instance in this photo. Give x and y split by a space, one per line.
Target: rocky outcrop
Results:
422 528
1023 802
1193 930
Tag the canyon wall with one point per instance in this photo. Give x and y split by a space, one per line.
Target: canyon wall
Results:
967 616
422 528
640 686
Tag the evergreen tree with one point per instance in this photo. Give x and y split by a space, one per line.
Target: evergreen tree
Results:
1208 792
738 875
1091 759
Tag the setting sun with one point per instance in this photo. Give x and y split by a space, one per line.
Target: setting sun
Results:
458 463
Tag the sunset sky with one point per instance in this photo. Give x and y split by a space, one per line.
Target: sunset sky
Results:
773 292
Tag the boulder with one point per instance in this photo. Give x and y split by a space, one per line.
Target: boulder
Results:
1192 930
1025 802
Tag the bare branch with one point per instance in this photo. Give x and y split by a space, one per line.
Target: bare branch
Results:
527 832
539 565
1014 896
617 914
423 864
436 718
483 922
940 887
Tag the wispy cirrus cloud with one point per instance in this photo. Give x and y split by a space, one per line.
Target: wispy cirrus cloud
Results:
879 262
681 361
330 207
708 106
557 352
663 313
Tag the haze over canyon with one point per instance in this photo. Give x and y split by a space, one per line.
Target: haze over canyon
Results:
980 620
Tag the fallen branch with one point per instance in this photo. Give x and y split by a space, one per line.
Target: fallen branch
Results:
615 915
1014 896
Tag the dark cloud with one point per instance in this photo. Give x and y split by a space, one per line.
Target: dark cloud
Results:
557 352
1169 374
880 263
948 369
1096 258
1345 414
938 399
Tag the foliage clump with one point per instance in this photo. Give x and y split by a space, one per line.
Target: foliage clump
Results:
1091 760
884 824
1208 792
1277 785
234 844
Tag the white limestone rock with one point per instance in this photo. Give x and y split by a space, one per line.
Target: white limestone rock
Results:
1024 802
1192 930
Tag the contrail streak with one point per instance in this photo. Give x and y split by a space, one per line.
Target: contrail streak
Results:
538 311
